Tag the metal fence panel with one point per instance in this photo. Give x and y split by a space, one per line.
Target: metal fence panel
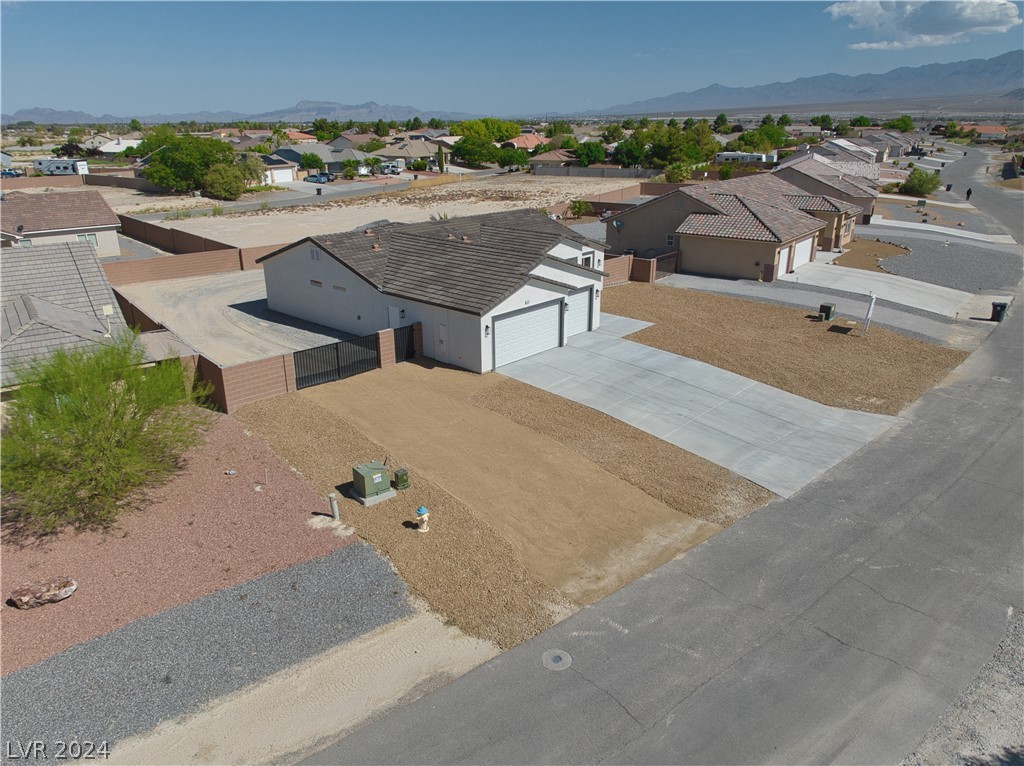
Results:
335 361
405 347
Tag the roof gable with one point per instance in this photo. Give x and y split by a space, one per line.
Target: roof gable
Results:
54 211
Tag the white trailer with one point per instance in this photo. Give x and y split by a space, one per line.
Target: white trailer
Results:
61 167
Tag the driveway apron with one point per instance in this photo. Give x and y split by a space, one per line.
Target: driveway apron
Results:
774 438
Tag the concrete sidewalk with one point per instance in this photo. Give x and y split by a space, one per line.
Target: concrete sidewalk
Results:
998 239
907 292
774 438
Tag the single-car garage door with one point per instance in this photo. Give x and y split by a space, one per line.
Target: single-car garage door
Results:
281 174
527 332
577 319
803 253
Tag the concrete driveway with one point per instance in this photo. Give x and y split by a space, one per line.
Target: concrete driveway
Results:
776 439
906 292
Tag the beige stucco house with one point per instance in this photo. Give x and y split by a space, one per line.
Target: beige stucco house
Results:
28 219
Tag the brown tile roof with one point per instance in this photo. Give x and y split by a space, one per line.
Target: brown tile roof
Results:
526 141
38 213
469 264
555 155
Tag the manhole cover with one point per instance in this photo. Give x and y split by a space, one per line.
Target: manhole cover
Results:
556 659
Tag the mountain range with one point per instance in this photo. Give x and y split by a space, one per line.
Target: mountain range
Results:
993 76
999 77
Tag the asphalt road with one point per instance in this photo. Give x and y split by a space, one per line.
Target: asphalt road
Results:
834 626
1005 205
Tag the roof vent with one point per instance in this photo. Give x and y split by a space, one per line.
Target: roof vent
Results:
368 232
465 238
376 246
451 236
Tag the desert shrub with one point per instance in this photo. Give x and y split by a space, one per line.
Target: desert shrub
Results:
891 188
418 165
224 182
919 183
88 428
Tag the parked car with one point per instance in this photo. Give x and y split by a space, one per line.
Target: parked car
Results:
6 173
320 178
390 169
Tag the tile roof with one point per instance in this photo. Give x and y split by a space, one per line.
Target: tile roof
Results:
525 141
847 184
555 155
52 297
469 264
55 211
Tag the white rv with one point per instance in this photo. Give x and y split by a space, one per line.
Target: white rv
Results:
61 167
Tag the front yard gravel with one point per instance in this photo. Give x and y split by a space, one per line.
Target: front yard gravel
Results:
958 265
159 667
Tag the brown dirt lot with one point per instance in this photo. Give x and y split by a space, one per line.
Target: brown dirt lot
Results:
882 372
525 523
866 254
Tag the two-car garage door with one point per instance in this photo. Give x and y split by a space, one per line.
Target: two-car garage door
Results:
526 332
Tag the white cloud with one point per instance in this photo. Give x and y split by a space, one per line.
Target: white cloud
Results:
903 25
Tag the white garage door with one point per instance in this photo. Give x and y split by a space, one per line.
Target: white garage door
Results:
784 260
525 333
803 253
281 175
578 318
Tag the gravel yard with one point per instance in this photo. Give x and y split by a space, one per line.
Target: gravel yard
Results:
200 532
971 267
882 372
472 196
867 254
938 215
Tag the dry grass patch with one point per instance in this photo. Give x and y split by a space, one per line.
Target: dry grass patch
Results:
679 479
466 572
1012 183
867 254
882 372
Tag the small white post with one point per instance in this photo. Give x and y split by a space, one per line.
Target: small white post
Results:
867 318
333 497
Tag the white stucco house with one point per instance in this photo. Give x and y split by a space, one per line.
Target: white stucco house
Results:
489 289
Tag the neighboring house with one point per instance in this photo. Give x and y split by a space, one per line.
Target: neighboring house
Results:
756 227
53 297
293 153
828 179
899 145
558 158
96 141
298 137
804 131
771 156
5 160
28 220
410 151
279 170
116 146
488 289
986 132
526 141
353 140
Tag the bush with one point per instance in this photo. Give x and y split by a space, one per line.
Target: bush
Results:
891 188
725 172
418 165
88 429
920 183
224 182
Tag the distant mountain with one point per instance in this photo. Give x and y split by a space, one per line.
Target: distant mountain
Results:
304 111
976 76
1015 95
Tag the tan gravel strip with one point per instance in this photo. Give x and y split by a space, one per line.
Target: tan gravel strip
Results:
881 372
867 253
680 479
200 532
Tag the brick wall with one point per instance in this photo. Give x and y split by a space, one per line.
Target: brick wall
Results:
134 316
386 347
417 338
618 269
243 384
247 255
172 267
643 270
39 182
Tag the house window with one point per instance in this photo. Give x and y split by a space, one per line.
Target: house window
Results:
670 240
588 260
339 287
25 243
90 238
316 283
314 254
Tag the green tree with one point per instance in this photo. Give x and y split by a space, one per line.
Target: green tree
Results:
508 158
557 128
181 165
435 123
843 128
487 129
631 152
590 152
224 181
374 145
91 427
254 171
920 183
823 121
784 121
612 134
904 124
134 125
767 120
721 123
678 172
861 121
440 159
310 161
474 151
725 172
579 208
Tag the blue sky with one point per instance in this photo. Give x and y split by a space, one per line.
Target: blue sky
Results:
141 58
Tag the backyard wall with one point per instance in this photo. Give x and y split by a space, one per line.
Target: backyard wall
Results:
618 269
172 267
578 172
643 270
40 182
171 240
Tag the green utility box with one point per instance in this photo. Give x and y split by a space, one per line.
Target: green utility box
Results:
829 310
371 479
402 479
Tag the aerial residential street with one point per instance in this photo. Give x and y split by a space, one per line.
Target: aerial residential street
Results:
832 626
